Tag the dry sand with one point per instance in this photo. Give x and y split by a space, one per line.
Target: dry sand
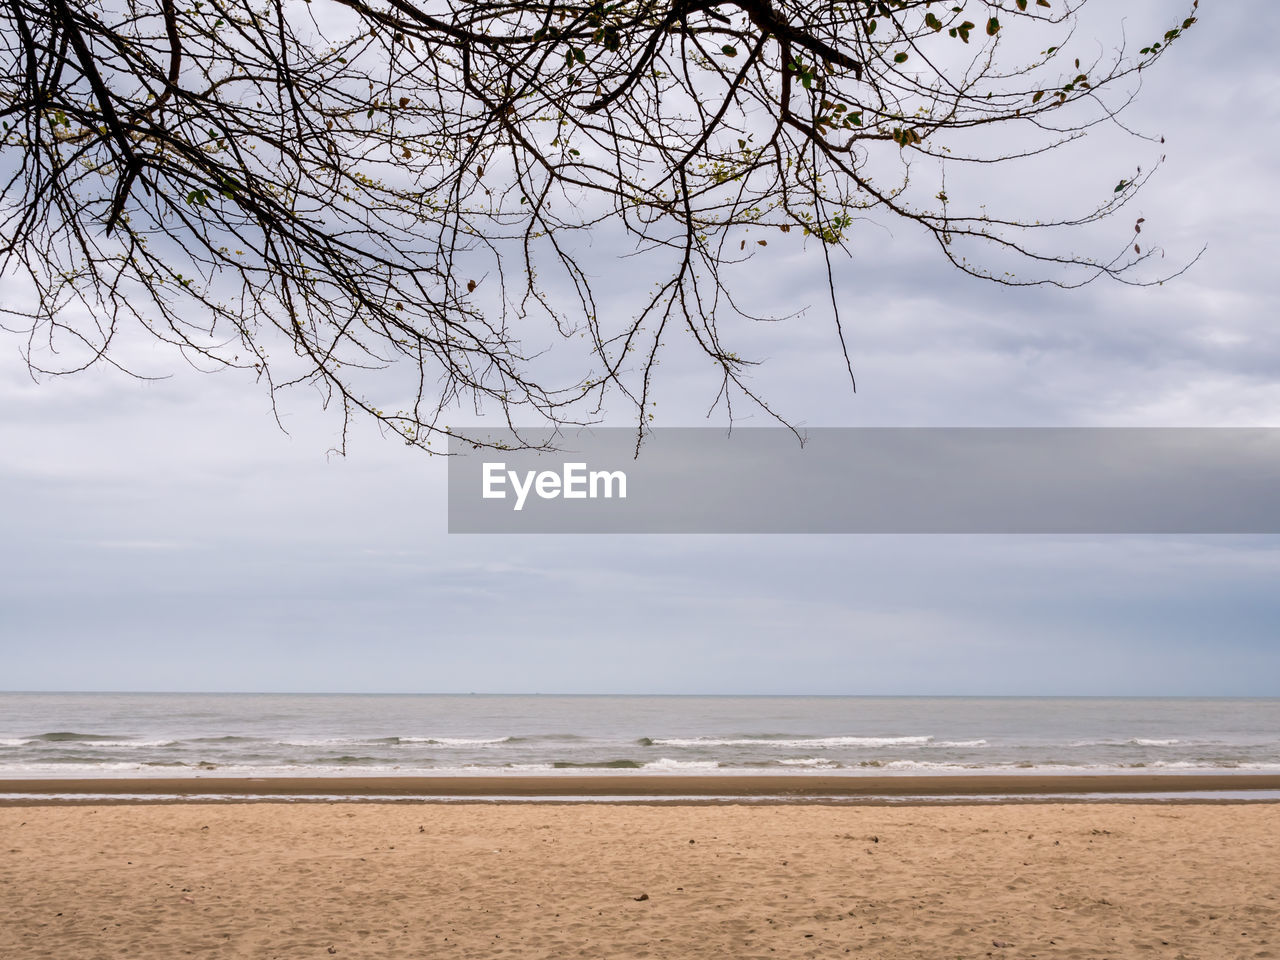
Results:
393 880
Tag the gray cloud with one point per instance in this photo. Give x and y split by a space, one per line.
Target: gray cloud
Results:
167 535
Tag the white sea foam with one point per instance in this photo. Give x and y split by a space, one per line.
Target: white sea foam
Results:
666 763
396 741
87 770
1214 765
960 743
819 762
799 743
875 765
796 766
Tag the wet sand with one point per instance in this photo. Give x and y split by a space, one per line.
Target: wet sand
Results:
475 882
607 785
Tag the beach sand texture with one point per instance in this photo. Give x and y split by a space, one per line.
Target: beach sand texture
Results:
377 880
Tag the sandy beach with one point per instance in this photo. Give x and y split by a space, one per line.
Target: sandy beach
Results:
402 880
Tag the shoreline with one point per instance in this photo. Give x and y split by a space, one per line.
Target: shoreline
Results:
798 787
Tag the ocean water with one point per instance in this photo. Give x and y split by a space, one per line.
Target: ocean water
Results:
113 735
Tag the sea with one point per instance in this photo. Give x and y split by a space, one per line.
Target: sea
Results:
85 735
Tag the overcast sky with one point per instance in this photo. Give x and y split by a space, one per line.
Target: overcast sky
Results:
168 536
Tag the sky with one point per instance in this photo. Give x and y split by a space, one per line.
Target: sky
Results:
168 535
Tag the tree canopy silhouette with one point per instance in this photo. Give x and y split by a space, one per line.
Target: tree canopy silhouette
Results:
387 198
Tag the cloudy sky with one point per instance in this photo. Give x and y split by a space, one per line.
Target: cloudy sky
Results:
168 535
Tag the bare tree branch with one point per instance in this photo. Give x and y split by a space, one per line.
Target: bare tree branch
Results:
392 188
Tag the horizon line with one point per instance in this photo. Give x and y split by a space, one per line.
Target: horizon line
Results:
830 696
